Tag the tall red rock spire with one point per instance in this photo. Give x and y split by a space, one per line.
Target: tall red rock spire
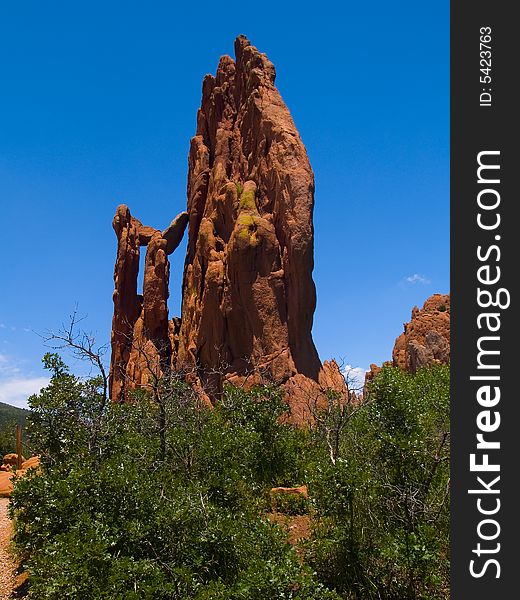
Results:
248 297
248 293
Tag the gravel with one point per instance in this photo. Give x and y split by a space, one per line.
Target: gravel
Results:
7 567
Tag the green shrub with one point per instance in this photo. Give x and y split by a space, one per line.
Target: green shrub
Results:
385 505
116 515
291 504
170 499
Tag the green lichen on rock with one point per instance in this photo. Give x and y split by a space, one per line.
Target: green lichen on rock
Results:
246 220
243 234
246 227
247 200
239 187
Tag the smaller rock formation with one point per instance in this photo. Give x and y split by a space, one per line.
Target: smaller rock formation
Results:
6 486
426 338
12 459
372 373
143 338
278 493
8 472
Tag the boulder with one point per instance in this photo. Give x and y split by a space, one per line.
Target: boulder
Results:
31 463
12 459
142 346
6 485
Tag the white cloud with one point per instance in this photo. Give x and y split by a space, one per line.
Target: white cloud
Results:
16 391
415 278
7 367
15 388
355 376
5 364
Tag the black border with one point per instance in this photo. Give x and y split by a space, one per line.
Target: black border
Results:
474 129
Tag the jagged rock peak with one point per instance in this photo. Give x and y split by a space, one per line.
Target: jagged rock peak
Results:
426 338
248 297
248 293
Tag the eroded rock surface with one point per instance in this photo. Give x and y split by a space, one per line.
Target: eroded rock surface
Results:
426 338
142 343
248 297
248 293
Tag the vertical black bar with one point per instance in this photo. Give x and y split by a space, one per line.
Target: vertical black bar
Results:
484 118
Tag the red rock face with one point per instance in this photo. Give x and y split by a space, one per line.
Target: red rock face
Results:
248 293
142 344
248 297
426 338
127 304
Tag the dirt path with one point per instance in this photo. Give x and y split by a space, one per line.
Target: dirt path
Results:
7 577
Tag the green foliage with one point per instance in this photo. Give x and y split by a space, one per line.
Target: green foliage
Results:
291 504
385 505
111 516
10 416
7 438
170 499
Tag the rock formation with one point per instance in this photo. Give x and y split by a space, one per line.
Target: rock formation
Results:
248 293
248 297
141 332
8 472
426 338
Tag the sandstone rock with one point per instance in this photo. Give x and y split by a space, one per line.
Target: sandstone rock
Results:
12 459
174 233
127 303
31 463
248 293
278 493
6 486
248 297
7 474
291 491
141 344
426 338
372 373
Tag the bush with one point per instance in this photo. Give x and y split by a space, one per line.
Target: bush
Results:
170 499
7 438
385 503
291 504
117 514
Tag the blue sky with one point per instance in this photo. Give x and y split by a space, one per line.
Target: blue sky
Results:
97 107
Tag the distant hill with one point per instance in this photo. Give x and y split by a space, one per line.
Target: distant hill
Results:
11 414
